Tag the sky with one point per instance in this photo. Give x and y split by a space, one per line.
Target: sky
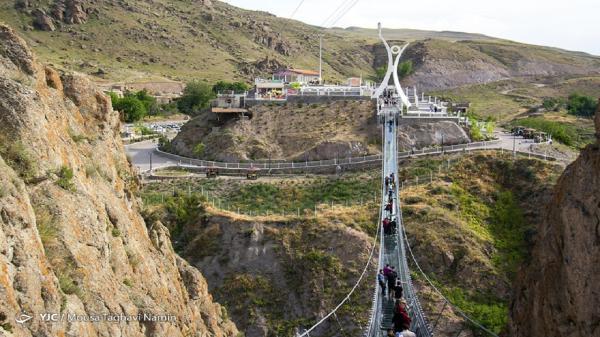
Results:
567 24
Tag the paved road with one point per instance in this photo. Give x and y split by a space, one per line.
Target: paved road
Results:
140 156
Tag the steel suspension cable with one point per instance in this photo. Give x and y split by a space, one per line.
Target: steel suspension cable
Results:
362 275
457 309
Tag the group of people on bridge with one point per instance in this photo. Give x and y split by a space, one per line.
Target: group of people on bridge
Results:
387 99
391 286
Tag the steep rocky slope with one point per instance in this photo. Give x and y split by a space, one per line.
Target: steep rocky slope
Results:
71 238
304 132
559 288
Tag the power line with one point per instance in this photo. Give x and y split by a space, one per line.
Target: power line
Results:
342 4
345 12
297 8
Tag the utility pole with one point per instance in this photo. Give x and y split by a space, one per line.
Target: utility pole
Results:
321 59
514 144
150 162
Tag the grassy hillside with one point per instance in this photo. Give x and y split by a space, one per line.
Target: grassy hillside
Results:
140 40
184 39
469 231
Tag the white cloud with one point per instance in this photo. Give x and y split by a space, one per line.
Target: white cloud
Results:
565 24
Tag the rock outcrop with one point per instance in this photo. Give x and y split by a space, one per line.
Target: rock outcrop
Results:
293 131
71 237
60 12
430 134
42 21
557 293
69 11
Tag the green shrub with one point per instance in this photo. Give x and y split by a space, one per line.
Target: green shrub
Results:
7 327
164 144
46 227
128 282
144 130
65 178
77 138
581 105
405 68
18 158
237 87
199 150
564 133
490 312
115 232
553 104
67 284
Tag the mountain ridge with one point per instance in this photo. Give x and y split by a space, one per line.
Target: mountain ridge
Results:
131 41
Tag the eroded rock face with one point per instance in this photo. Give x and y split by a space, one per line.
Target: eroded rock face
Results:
71 237
42 21
60 11
557 293
430 134
334 149
69 11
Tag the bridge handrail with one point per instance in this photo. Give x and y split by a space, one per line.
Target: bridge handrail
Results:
277 165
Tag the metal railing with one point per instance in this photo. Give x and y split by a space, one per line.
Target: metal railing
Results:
283 165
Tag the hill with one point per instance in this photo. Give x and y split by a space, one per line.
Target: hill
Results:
185 39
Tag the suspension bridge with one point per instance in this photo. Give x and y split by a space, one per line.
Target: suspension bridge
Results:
394 248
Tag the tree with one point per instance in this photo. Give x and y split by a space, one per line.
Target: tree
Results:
380 74
405 68
199 150
581 105
196 97
237 87
148 101
132 108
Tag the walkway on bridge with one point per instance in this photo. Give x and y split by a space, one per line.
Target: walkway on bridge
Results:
392 251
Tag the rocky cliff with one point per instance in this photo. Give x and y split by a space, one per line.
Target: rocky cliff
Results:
557 293
71 238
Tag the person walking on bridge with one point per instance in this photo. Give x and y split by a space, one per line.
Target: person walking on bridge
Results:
391 278
386 226
381 280
393 225
398 290
402 320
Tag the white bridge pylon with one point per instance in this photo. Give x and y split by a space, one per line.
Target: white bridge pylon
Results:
392 69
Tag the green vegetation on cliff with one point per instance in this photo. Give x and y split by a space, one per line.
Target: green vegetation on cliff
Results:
470 230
